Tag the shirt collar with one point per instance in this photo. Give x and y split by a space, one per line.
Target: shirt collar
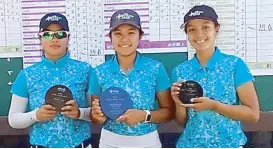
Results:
213 60
211 63
59 62
115 65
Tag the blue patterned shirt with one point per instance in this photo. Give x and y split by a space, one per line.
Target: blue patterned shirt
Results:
219 79
147 78
33 83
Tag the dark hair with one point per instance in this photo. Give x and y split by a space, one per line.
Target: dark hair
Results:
215 24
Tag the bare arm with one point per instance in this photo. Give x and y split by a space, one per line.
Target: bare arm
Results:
164 113
180 115
249 111
180 111
96 114
166 108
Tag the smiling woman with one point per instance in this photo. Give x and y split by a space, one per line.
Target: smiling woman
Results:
51 126
214 120
141 77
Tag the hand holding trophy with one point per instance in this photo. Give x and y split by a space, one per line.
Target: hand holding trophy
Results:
57 96
188 90
115 101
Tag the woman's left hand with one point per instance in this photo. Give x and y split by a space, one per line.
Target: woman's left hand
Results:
71 110
132 117
202 103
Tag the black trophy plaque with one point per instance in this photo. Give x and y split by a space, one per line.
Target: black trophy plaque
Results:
57 96
188 90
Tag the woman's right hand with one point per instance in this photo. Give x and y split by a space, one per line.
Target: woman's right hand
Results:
46 113
97 115
175 92
181 112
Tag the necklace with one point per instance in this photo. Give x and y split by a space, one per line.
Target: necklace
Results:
126 70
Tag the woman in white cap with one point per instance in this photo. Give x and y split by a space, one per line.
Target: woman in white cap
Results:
49 126
142 78
213 120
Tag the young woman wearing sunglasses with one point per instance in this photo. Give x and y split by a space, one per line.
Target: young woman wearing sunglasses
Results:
48 127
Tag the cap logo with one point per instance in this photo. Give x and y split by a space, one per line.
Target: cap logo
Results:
53 18
196 13
125 16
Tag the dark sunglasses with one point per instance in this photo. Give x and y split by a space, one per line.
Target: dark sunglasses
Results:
50 34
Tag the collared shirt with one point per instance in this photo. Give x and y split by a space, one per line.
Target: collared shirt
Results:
147 78
33 83
219 79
